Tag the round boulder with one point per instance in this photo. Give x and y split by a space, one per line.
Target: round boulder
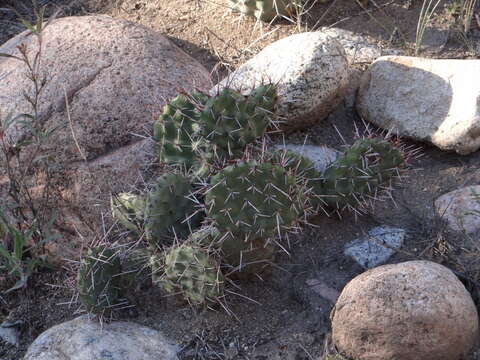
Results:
408 311
310 71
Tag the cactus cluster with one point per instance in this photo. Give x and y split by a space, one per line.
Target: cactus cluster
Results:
197 130
248 201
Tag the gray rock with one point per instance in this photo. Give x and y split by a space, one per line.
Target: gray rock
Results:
461 209
310 71
321 156
424 99
10 333
83 339
376 247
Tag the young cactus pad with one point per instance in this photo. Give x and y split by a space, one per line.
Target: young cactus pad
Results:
190 270
98 280
251 200
230 121
362 171
129 210
171 210
175 130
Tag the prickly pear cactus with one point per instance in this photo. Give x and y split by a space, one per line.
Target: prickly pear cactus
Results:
192 271
230 121
254 200
265 10
362 171
171 211
175 130
98 280
129 210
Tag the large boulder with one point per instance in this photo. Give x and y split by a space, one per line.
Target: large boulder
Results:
425 99
408 311
84 339
460 209
310 71
117 76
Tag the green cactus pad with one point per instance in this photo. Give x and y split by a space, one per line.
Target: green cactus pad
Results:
129 210
230 121
171 212
191 271
175 130
98 280
360 173
252 200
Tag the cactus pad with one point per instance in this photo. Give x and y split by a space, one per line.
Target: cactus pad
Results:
175 130
251 200
230 121
191 271
171 210
362 171
98 281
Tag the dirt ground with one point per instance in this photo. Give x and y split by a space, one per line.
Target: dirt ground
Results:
286 318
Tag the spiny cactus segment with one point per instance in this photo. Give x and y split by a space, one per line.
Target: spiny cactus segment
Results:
191 271
172 211
358 175
98 280
254 200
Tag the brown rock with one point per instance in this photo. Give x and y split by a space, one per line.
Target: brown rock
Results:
408 311
117 76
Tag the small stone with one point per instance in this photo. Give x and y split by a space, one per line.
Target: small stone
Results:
321 156
9 333
84 339
376 247
310 71
461 209
432 100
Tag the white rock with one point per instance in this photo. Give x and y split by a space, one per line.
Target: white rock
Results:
311 73
321 156
461 209
83 339
425 99
376 247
